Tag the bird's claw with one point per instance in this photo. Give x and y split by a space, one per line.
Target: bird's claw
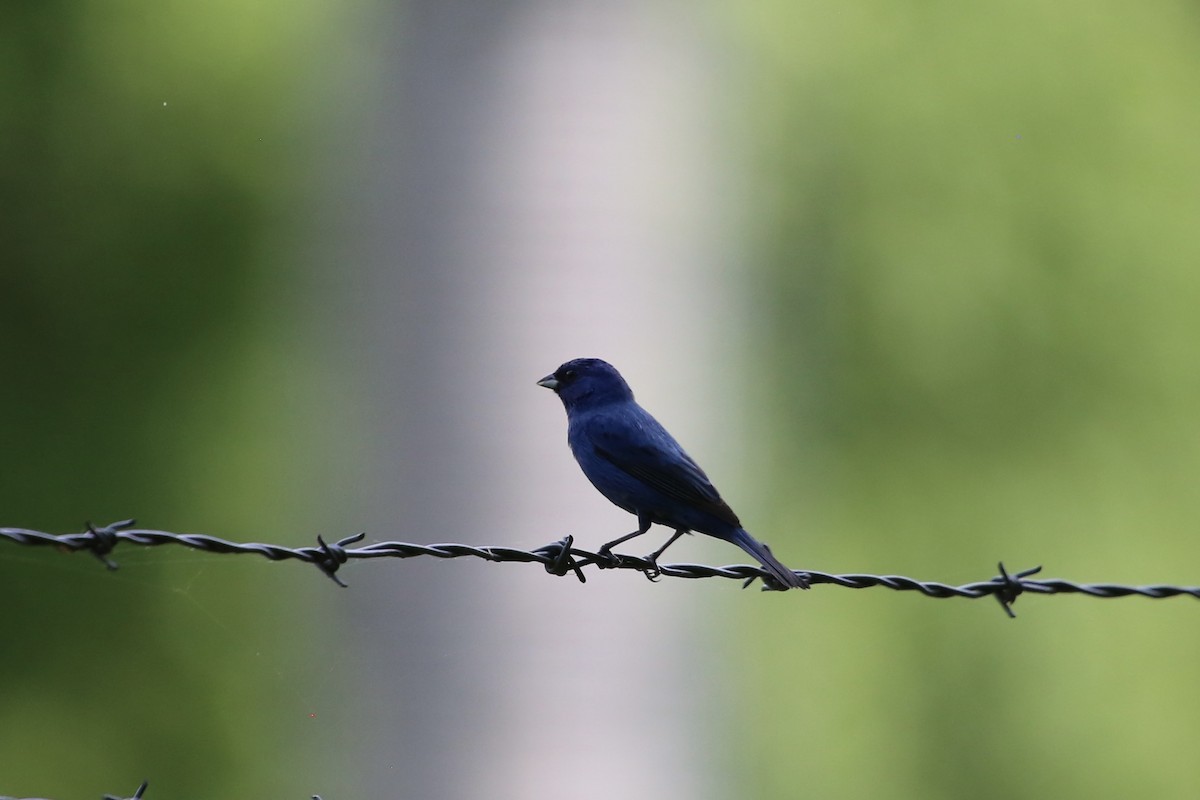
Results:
652 572
607 559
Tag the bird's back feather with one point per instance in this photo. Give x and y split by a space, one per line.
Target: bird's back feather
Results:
678 492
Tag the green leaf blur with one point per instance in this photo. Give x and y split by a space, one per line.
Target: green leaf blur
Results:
144 184
980 222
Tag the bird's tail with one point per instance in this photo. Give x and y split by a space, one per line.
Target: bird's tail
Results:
771 564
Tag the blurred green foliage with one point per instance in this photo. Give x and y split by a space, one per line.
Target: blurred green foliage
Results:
144 184
980 222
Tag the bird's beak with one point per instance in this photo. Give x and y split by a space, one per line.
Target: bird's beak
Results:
550 382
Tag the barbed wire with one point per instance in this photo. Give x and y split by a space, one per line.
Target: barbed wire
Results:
136 795
563 558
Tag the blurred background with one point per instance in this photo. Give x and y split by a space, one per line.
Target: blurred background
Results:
917 283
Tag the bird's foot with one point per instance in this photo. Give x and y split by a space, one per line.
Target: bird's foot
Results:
607 559
652 572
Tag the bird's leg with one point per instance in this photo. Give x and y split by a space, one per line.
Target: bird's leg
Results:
605 551
653 572
653 557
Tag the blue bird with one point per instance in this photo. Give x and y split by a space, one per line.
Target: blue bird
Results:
632 460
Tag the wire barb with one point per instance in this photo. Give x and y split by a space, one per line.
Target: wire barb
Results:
104 540
1010 587
332 556
562 562
561 558
141 789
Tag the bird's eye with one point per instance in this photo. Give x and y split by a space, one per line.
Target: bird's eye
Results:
568 375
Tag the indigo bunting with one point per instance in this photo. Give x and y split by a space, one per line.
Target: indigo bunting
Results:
632 460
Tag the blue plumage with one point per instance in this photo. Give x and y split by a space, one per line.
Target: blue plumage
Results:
632 460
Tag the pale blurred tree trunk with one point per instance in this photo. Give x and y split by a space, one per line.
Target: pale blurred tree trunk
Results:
538 187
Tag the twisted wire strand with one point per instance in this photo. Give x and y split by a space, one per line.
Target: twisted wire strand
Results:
563 558
136 795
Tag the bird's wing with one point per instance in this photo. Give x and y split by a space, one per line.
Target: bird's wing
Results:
655 458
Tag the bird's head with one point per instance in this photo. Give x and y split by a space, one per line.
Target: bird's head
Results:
587 383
